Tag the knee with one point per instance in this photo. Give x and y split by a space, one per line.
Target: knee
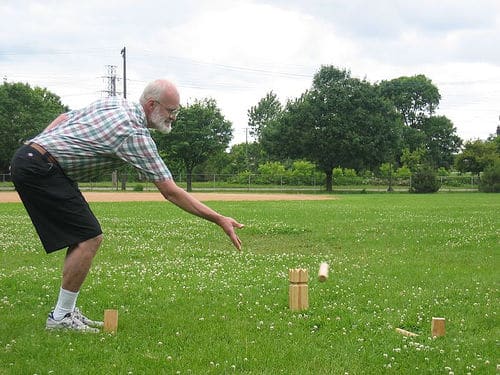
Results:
95 242
98 240
89 246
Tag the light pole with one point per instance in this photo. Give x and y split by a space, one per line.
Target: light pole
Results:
124 55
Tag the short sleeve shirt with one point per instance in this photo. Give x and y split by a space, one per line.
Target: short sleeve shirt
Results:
102 137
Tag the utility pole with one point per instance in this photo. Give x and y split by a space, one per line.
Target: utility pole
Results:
124 55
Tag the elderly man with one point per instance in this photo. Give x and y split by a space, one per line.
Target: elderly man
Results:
77 144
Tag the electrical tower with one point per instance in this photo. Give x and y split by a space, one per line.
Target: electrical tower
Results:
111 80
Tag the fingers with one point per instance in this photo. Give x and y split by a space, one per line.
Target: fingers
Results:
236 242
238 225
232 234
235 224
234 238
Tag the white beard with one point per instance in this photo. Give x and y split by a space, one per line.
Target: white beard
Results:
160 123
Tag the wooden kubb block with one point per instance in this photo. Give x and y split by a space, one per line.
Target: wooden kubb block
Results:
298 298
438 327
110 321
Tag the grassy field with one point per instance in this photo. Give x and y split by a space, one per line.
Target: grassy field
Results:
190 304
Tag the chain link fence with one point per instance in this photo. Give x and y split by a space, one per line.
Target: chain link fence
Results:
258 182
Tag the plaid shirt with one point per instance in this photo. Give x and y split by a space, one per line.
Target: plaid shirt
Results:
102 137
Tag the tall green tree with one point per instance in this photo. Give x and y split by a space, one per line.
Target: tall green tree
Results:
441 141
341 121
24 112
264 113
416 99
199 131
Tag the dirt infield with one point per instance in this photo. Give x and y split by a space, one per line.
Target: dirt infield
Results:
11 196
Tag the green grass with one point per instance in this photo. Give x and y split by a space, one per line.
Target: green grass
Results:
189 303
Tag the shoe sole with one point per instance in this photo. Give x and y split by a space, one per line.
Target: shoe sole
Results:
86 330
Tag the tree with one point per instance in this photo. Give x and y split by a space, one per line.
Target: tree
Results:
414 97
495 139
199 131
477 155
441 141
216 163
490 180
341 121
24 112
416 100
265 112
413 159
245 157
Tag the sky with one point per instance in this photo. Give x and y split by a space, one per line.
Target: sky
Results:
236 51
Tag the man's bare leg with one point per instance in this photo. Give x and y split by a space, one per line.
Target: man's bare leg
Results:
78 262
76 267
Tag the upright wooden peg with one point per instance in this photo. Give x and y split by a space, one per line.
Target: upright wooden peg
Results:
298 298
110 321
438 327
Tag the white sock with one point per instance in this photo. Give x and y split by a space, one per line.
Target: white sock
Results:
65 304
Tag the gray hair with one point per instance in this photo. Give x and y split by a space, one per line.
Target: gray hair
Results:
152 91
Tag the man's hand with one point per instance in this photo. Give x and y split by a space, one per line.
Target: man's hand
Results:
228 224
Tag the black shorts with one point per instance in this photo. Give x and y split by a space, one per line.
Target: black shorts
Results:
57 208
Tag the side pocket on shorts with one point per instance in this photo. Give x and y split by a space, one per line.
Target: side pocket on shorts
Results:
31 164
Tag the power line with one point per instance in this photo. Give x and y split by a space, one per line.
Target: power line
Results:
226 67
243 68
37 52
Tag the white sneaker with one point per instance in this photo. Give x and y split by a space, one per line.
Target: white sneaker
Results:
69 322
82 318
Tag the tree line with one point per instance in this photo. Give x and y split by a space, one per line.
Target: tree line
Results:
340 122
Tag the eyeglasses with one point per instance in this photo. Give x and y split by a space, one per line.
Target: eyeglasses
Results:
171 111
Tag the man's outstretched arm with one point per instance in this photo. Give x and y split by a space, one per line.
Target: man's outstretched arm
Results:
188 203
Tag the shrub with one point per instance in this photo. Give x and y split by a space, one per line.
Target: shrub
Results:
138 187
403 172
424 180
443 172
490 179
271 173
243 178
348 172
302 172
